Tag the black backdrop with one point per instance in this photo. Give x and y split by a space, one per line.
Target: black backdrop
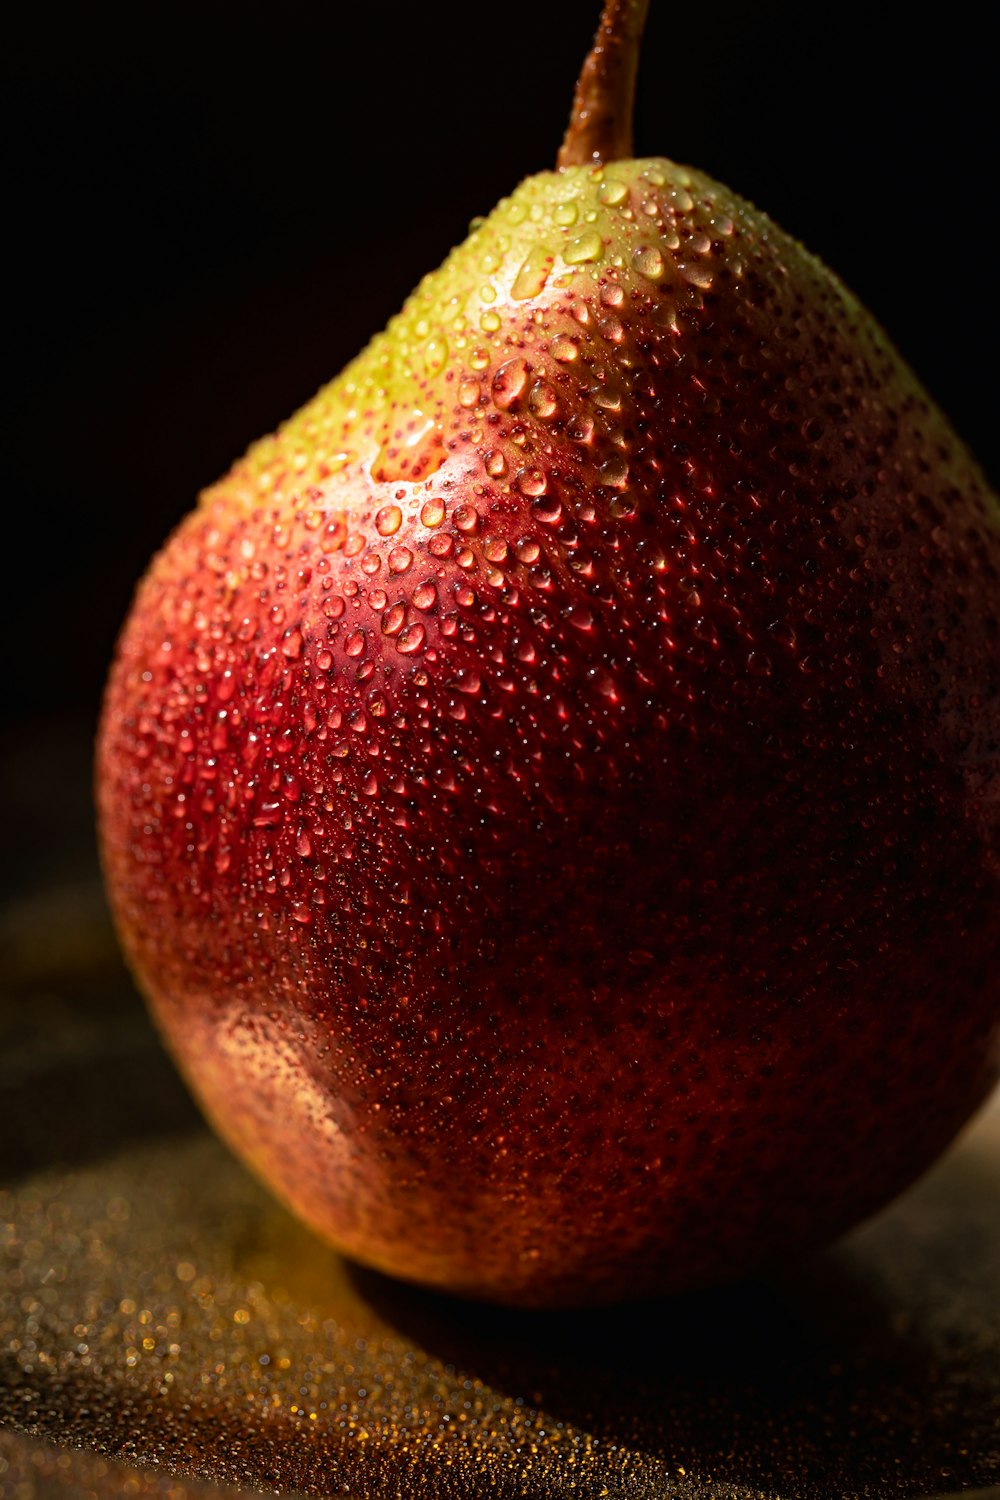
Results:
214 206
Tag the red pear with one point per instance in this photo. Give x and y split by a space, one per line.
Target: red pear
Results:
550 790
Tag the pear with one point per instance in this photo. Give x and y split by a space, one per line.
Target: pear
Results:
550 790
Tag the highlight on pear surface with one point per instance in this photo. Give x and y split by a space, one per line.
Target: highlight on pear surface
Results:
548 789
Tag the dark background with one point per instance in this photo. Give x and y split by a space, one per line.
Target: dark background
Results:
214 206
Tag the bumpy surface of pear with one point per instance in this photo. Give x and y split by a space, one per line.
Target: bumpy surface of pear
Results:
550 790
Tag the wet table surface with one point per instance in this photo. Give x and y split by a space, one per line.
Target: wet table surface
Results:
167 1330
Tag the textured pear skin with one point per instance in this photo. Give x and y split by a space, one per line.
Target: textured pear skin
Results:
550 791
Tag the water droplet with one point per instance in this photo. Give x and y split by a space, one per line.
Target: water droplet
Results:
466 518
495 549
292 645
441 546
614 471
468 393
682 200
622 507
489 321
547 509
303 845
388 520
412 640
581 429
435 354
496 464
425 596
324 660
400 559
565 214
355 643
490 259
648 262
509 383
394 620
665 316
694 275
334 535
563 349
534 273
432 513
782 631
586 247
531 482
527 549
542 400
270 815
612 192
607 397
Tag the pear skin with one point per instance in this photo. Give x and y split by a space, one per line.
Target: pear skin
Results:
550 789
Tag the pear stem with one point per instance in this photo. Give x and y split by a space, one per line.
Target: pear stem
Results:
600 124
